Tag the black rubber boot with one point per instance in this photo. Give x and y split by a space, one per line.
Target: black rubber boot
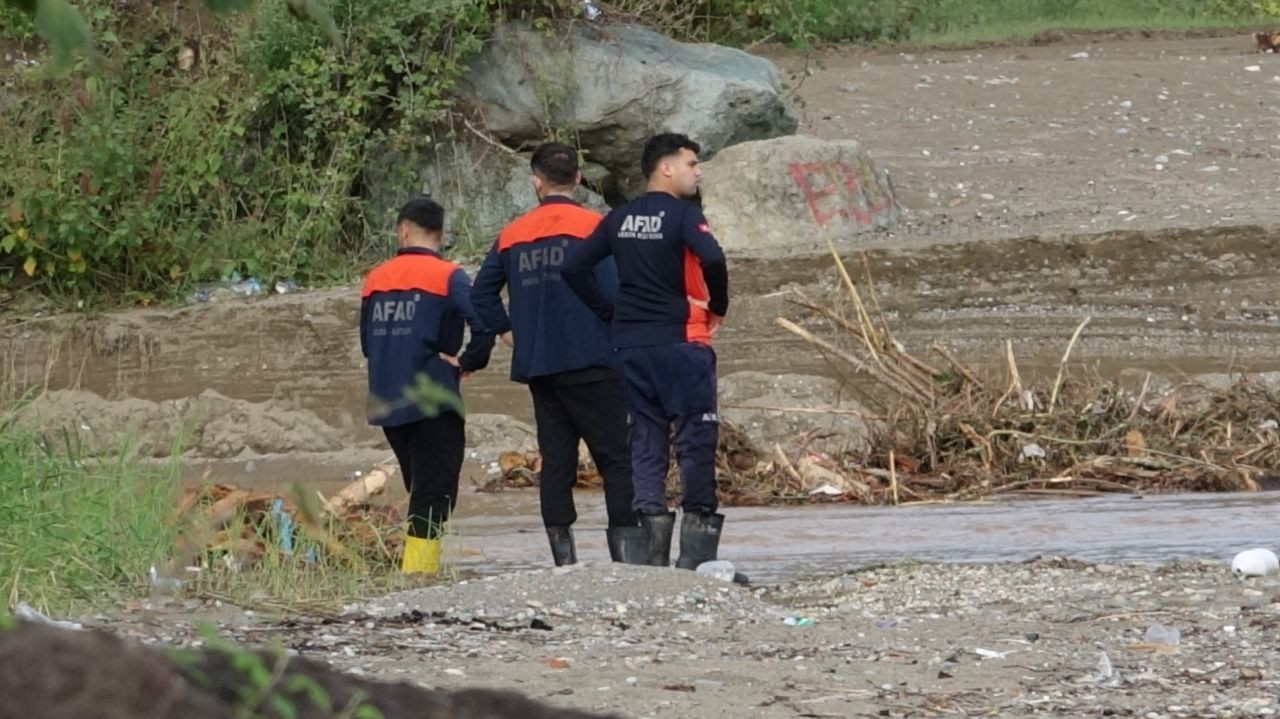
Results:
629 545
658 529
562 548
700 542
699 539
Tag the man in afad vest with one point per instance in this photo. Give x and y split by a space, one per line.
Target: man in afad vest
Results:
412 313
673 295
561 350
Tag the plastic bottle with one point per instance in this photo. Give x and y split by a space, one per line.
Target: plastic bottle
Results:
717 569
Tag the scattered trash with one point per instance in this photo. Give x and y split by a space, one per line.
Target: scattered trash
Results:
1080 56
1104 667
1255 563
284 526
798 622
1160 634
989 653
849 87
1033 451
247 288
590 10
236 526
1269 424
717 569
162 584
826 490
28 613
284 287
1253 68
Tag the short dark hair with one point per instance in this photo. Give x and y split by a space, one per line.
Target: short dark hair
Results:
423 212
556 163
664 145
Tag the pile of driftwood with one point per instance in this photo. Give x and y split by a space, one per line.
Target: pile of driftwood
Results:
948 433
236 527
942 431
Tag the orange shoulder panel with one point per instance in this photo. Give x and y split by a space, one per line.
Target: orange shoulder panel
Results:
424 273
550 220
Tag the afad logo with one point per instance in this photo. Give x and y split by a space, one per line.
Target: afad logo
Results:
704 228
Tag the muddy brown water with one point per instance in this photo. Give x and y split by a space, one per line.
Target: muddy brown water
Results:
500 532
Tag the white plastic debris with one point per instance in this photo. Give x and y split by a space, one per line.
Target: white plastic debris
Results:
827 490
989 653
1080 56
28 613
1160 634
1033 451
163 584
1255 563
1104 667
1253 68
717 569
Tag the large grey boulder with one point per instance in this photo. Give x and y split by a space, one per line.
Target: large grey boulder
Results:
612 86
787 194
481 187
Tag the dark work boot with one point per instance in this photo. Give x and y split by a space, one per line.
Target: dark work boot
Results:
562 549
629 545
700 542
658 530
699 539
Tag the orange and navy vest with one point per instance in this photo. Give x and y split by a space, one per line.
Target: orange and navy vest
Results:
554 332
414 307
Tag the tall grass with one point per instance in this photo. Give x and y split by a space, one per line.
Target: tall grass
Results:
77 531
81 530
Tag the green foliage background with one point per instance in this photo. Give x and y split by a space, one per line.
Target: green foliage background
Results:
180 146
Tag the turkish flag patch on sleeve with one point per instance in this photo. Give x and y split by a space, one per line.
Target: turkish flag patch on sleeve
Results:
704 227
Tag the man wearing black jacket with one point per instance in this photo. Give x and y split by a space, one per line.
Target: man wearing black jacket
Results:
561 350
673 295
412 311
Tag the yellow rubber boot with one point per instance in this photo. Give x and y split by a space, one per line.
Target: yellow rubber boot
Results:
421 556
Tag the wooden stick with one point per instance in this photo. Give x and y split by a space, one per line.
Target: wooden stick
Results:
908 373
808 410
959 366
889 381
893 478
869 329
786 463
1062 365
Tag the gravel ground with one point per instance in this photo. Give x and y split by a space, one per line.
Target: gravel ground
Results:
904 640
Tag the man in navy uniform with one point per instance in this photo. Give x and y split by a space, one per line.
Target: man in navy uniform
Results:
561 350
673 295
412 311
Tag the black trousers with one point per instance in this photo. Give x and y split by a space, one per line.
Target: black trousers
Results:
430 454
595 411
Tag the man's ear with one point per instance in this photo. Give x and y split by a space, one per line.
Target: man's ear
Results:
537 184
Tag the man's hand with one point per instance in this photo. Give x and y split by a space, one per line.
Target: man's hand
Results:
713 323
452 361
508 339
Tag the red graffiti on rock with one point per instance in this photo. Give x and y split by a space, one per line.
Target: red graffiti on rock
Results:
832 189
